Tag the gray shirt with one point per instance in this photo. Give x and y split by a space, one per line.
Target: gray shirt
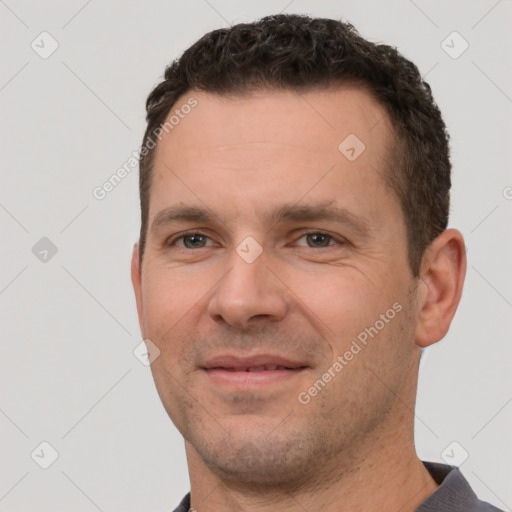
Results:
453 494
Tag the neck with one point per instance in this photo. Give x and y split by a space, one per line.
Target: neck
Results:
392 478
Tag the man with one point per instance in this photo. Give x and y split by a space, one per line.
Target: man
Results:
293 261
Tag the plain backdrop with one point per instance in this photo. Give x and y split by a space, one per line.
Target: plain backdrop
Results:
69 120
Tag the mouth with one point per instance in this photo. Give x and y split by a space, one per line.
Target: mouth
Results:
251 373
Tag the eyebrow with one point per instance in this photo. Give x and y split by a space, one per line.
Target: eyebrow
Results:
285 213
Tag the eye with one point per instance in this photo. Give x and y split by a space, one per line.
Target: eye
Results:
193 240
318 239
198 240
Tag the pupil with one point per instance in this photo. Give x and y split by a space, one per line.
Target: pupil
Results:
192 240
318 239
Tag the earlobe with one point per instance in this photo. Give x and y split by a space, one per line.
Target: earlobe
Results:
441 283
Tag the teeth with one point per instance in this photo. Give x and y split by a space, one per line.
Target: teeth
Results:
256 369
266 368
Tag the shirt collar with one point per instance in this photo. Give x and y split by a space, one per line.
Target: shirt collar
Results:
454 492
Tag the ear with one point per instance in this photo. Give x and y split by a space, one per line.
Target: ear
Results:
441 280
137 284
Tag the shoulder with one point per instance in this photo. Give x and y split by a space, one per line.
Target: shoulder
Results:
184 506
454 493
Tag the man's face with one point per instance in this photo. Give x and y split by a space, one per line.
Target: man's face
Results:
267 170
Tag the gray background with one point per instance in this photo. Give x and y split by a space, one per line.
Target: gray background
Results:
69 324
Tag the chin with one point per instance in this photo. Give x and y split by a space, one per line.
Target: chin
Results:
272 457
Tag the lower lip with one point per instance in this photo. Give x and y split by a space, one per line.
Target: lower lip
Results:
251 380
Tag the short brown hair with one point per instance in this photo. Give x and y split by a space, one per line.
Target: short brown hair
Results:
302 53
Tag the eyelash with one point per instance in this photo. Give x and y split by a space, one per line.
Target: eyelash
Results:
339 240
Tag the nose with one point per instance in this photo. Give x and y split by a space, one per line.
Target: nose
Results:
248 293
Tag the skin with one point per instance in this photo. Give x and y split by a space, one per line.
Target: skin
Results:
263 450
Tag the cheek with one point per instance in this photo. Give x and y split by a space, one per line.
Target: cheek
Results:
169 316
344 300
167 297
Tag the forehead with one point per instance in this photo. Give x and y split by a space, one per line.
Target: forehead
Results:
318 119
271 146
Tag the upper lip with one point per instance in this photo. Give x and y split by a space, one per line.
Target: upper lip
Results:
242 363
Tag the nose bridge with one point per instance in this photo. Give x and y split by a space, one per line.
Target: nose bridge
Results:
249 289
